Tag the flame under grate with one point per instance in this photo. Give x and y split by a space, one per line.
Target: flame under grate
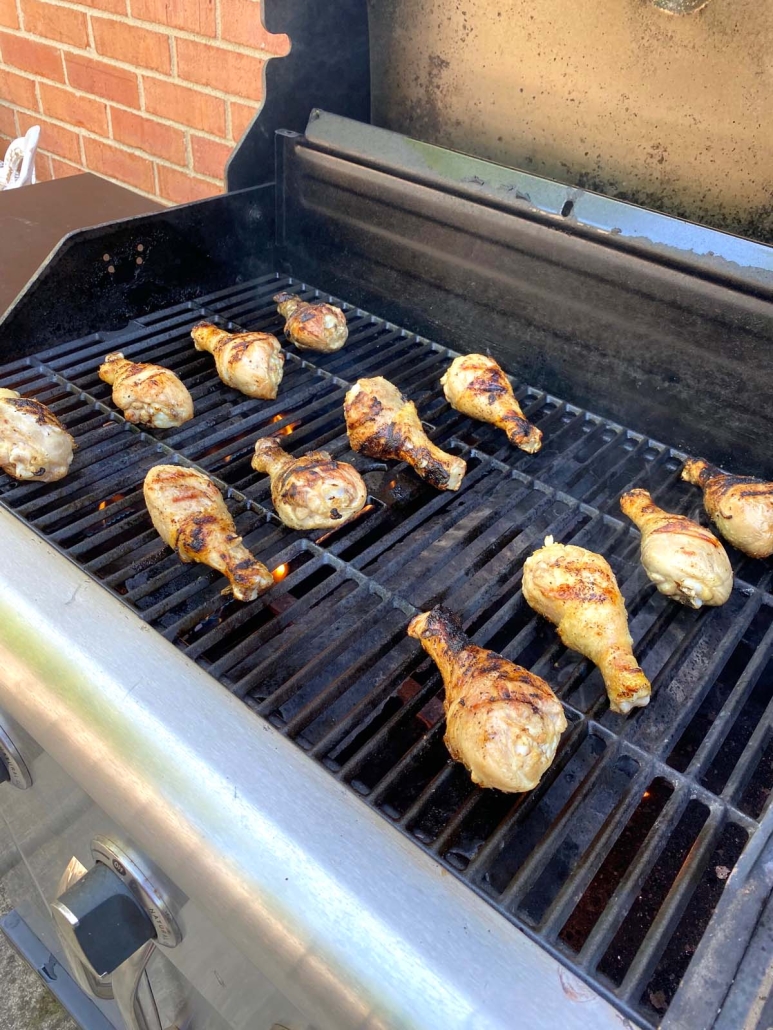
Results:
618 860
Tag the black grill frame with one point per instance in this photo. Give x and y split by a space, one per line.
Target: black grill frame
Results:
388 566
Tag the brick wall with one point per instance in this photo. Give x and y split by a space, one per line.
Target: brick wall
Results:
150 93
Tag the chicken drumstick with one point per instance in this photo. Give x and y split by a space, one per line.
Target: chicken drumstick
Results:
252 363
190 515
318 326
682 558
382 424
741 507
312 492
475 385
577 591
33 442
502 722
147 393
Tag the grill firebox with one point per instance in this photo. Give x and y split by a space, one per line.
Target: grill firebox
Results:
618 860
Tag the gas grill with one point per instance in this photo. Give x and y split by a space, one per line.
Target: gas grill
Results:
631 887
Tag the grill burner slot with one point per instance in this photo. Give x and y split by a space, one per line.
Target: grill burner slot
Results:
618 859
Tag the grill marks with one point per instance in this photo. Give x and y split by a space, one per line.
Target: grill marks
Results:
631 822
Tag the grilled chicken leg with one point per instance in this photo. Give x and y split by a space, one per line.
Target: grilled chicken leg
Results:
33 442
312 492
475 385
683 559
741 507
502 722
252 363
189 514
148 394
318 326
382 424
577 591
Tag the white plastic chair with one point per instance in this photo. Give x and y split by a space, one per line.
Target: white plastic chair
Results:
18 167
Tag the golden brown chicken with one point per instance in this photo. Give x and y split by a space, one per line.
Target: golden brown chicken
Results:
148 394
577 591
33 442
475 385
683 559
252 363
502 722
741 507
312 492
190 515
318 326
382 424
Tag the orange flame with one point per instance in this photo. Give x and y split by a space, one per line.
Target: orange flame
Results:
280 572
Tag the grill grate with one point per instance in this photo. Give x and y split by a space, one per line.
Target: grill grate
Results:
618 859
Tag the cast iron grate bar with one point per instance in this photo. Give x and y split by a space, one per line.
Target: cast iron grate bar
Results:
617 861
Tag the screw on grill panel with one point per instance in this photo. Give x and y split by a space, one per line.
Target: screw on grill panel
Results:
323 655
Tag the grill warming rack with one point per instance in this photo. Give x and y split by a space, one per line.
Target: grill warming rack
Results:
618 860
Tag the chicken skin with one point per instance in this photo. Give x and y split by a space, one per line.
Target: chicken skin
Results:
475 385
318 326
190 515
312 492
33 442
383 424
577 591
741 507
148 394
252 363
683 559
502 722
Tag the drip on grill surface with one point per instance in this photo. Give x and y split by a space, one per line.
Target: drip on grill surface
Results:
617 860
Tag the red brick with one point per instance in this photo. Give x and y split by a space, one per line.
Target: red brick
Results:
240 22
241 116
132 45
220 68
53 138
119 164
42 167
33 58
187 106
102 80
209 156
73 109
61 169
149 135
113 6
7 124
55 22
8 15
15 89
197 16
181 188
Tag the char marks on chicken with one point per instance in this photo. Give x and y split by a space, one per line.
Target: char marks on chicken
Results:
502 722
318 326
311 492
577 591
190 515
252 363
147 394
741 507
475 385
682 558
383 424
33 442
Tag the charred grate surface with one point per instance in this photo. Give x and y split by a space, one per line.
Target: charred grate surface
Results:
619 862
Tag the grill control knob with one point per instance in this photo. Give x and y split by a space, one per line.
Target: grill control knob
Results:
12 767
105 918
